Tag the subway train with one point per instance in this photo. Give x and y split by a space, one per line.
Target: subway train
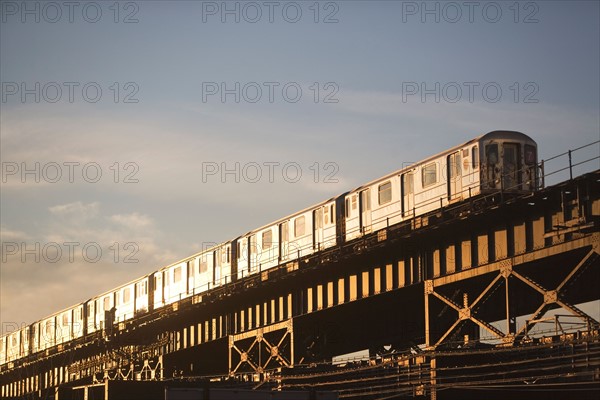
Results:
497 161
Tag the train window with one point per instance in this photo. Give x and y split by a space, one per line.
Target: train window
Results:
285 233
203 267
385 192
227 254
141 288
48 327
429 174
475 157
218 256
267 239
325 215
318 218
491 153
190 268
89 310
107 303
332 213
354 201
529 154
366 198
408 183
177 275
454 165
65 319
347 207
253 247
299 226
126 295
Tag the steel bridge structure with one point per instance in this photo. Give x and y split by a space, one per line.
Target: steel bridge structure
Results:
476 299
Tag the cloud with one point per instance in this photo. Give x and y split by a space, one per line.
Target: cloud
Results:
8 235
77 210
134 221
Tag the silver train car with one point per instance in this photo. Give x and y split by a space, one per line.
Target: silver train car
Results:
498 161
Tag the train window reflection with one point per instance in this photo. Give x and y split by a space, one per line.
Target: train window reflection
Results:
429 174
491 153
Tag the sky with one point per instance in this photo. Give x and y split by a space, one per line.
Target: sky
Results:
134 134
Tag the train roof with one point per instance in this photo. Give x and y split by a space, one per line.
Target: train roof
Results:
505 135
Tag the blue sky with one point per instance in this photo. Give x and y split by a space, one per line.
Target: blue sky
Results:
165 127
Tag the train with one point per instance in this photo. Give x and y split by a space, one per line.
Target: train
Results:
497 161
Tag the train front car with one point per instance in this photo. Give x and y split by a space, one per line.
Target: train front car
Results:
508 162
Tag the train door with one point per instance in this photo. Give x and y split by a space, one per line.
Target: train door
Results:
352 222
318 228
491 165
191 272
217 268
158 288
91 316
234 260
25 341
166 286
284 240
511 166
242 257
252 254
408 194
226 264
365 210
454 176
530 173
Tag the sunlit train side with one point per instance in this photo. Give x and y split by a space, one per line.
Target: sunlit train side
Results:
119 305
3 340
44 334
193 275
61 327
97 310
142 299
287 239
70 324
498 161
17 344
200 273
173 283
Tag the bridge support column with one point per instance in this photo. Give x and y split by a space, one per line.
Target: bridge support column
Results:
433 381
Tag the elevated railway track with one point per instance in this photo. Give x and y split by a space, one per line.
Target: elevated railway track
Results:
449 302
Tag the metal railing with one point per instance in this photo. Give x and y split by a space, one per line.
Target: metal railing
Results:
570 164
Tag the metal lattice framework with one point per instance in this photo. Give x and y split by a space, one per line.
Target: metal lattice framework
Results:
504 271
262 349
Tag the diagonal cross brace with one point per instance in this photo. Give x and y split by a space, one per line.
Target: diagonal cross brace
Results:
553 297
465 313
